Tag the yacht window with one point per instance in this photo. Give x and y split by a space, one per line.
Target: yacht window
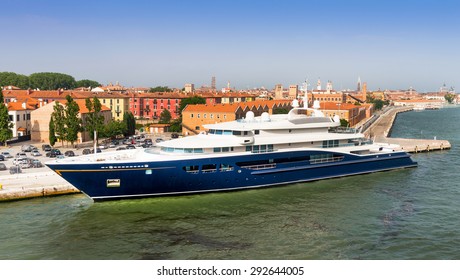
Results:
225 149
227 132
198 150
208 168
245 133
188 150
212 131
236 132
225 167
256 131
248 148
219 132
217 150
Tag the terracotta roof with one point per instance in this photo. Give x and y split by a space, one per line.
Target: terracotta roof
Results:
221 108
335 106
17 106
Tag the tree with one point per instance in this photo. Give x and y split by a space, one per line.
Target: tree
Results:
191 100
450 97
160 89
6 126
280 111
130 122
52 135
51 81
114 128
59 122
165 116
94 121
13 79
344 123
87 83
72 121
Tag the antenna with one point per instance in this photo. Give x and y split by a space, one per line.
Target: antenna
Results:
305 89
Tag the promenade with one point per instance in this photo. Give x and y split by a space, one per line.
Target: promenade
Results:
32 182
381 128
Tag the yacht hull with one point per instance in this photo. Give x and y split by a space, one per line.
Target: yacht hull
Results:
105 181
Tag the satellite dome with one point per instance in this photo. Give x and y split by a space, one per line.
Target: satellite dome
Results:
265 117
250 116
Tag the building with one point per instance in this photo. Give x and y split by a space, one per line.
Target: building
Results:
293 91
279 91
353 114
195 116
189 88
40 119
19 116
118 103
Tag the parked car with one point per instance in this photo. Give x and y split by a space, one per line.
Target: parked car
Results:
86 152
3 166
158 140
15 169
114 143
69 154
174 135
53 153
36 163
18 161
2 158
103 146
130 147
98 150
46 147
7 154
21 155
35 153
121 148
27 148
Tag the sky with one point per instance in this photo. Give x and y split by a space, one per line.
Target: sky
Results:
388 44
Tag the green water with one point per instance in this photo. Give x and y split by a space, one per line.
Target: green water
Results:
405 214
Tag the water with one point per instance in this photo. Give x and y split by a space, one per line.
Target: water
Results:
404 214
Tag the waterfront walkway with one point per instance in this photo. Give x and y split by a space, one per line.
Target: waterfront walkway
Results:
35 184
380 130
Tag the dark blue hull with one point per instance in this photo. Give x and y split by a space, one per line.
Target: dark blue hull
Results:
121 180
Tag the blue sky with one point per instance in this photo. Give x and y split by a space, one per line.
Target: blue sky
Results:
389 44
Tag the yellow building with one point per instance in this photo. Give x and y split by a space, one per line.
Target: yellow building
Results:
117 103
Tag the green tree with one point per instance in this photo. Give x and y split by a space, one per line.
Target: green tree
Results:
59 122
72 121
94 120
280 111
114 128
450 97
344 123
52 135
51 81
87 83
191 100
160 89
176 125
6 126
130 122
165 116
13 79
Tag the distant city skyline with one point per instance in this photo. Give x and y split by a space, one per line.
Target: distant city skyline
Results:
388 44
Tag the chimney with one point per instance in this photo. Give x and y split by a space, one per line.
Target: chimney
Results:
24 105
29 91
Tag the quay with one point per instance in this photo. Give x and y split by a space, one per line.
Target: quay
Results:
31 185
380 130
